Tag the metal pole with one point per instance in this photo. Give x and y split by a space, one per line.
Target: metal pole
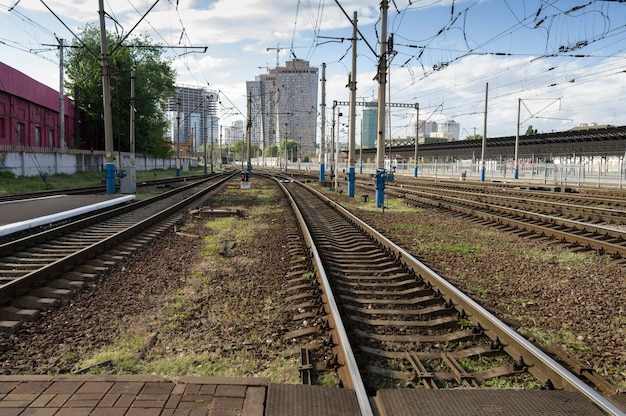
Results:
133 75
106 101
382 80
332 144
482 157
323 137
178 104
352 122
204 134
337 149
61 98
417 134
519 104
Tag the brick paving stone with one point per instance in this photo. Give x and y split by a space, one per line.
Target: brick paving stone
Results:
193 388
33 387
49 411
59 400
160 403
172 401
157 388
75 401
193 405
143 412
199 412
68 387
7 386
231 391
11 411
95 387
227 403
71 411
179 389
125 400
203 398
208 389
107 411
22 397
224 412
42 400
109 400
130 387
254 403
13 404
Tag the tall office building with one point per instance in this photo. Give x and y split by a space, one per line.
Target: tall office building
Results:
262 101
451 129
283 105
185 112
369 130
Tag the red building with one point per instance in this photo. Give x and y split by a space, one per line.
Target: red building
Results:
29 113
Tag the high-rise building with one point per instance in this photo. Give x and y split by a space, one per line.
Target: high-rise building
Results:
369 129
283 105
185 112
451 129
262 95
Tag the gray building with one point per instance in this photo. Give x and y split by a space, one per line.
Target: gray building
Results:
369 129
192 115
283 105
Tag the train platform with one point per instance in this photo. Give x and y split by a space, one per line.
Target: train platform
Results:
133 395
16 216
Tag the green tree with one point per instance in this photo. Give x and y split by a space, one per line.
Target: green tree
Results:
474 137
292 150
154 85
271 151
530 131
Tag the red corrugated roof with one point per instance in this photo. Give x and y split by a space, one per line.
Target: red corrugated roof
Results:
21 85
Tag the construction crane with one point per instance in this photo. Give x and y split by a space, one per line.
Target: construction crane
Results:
278 49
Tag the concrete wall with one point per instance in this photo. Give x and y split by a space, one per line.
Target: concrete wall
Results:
34 162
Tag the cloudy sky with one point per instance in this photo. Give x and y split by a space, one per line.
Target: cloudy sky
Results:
564 59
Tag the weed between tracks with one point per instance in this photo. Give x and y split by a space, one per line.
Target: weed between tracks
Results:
229 316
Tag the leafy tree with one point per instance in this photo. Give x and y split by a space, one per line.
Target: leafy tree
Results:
530 131
271 150
154 85
292 150
474 137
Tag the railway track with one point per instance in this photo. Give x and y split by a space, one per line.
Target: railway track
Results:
398 324
87 190
38 269
588 227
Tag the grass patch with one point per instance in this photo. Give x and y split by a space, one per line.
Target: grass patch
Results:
565 257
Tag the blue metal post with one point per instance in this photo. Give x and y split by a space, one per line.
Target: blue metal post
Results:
205 170
361 169
516 174
322 173
110 177
415 171
380 187
249 168
482 174
351 176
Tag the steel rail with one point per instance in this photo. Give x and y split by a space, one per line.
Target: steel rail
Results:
539 363
47 235
597 244
55 268
354 376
